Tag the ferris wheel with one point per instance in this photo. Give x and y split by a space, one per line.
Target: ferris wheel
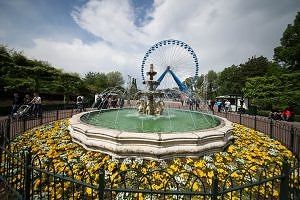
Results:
172 58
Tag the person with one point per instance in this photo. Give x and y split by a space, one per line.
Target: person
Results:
114 102
37 104
242 103
212 104
109 102
121 102
16 103
275 114
26 99
105 102
209 103
197 104
99 102
219 104
287 114
191 102
182 101
79 103
227 105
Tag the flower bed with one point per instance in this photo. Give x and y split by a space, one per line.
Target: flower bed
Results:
252 157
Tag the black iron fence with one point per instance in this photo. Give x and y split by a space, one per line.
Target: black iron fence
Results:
28 176
285 132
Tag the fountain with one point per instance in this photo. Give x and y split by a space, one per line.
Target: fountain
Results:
148 133
150 107
152 129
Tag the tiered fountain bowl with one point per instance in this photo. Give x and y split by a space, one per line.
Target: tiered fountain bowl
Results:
128 132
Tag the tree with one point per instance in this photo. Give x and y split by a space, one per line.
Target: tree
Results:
20 60
68 84
229 81
232 79
288 53
255 66
5 63
281 91
199 86
95 82
212 84
114 79
189 82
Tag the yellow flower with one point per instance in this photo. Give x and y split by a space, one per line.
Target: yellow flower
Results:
111 166
123 167
88 191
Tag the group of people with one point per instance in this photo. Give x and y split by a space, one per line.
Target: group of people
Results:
224 105
286 115
194 104
34 104
109 101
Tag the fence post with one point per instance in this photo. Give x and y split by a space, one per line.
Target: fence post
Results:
101 184
215 187
284 184
255 122
27 174
240 118
24 125
271 128
41 119
7 136
292 138
57 114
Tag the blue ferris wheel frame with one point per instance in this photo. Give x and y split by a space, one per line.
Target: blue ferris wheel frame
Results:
180 84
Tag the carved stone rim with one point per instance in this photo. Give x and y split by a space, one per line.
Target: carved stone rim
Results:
151 145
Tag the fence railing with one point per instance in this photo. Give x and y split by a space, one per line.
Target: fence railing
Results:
285 132
29 176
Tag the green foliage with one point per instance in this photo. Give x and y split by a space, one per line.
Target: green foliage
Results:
212 84
232 79
288 54
114 79
229 81
18 73
95 82
267 92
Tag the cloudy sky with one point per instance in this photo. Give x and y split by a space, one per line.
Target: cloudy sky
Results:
109 35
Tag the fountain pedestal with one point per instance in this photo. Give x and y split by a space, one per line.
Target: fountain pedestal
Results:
151 106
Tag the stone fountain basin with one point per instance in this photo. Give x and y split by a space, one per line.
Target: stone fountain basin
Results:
150 145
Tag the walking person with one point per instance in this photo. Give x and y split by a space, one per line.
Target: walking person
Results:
79 103
197 104
212 105
16 103
191 104
227 105
219 104
37 104
121 102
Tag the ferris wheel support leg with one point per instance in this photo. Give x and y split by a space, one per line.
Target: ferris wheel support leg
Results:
181 86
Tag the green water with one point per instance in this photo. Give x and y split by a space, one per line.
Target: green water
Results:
171 121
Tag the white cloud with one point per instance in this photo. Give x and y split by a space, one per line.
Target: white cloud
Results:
221 32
